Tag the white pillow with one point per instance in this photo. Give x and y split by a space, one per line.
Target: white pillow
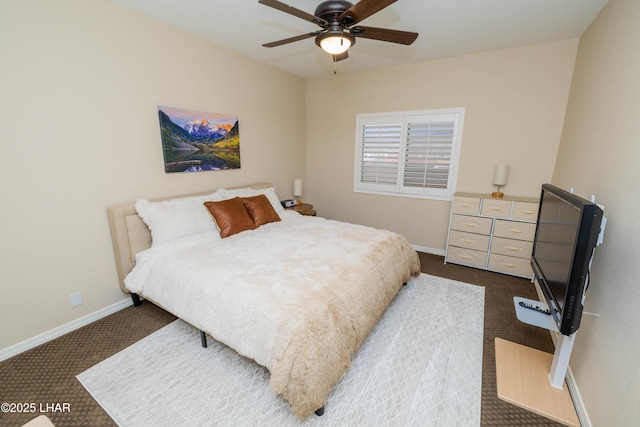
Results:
270 192
176 218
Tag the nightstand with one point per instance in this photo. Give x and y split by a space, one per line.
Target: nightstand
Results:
304 209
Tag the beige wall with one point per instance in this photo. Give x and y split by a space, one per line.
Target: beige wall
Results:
80 83
599 154
515 101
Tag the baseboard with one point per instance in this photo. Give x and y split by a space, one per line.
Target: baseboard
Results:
63 329
581 410
578 403
432 251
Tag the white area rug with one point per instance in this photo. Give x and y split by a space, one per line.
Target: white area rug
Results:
421 366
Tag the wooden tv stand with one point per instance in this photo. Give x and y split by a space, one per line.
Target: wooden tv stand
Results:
534 379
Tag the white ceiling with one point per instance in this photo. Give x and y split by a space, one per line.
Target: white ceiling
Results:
446 28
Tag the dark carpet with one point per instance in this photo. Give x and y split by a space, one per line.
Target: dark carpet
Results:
46 375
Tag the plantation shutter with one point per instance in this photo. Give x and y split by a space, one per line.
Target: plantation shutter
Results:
427 159
410 154
380 153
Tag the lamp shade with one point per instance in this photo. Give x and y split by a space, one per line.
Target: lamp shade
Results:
297 187
500 175
335 41
335 45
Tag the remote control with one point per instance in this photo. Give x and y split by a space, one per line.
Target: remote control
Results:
534 307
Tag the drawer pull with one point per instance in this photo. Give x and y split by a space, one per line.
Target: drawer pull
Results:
509 265
466 257
465 205
515 230
495 208
528 212
468 240
470 224
513 248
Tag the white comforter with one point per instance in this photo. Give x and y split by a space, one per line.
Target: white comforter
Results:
298 296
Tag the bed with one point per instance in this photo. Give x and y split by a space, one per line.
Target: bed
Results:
297 294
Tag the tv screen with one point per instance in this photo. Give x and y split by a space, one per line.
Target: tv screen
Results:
566 235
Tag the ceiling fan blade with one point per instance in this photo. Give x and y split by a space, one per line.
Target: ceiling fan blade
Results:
363 9
292 39
384 34
293 11
340 57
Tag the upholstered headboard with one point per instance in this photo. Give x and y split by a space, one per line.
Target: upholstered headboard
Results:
130 235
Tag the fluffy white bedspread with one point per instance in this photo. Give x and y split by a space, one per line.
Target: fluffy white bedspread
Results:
298 296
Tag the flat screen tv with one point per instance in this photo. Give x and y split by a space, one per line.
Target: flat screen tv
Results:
566 235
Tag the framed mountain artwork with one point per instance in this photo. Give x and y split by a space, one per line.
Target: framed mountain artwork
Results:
193 141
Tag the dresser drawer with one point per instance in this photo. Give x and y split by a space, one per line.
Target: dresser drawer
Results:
511 247
514 230
469 205
525 211
471 224
510 265
496 208
467 257
478 242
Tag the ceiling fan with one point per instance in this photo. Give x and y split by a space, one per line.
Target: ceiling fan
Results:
337 20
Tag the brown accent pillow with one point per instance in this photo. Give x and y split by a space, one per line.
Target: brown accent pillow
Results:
260 210
231 216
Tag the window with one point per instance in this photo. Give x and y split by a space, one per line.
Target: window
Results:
413 154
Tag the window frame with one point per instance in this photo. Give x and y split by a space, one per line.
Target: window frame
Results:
404 118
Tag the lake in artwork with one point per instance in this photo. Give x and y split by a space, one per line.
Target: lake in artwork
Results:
194 141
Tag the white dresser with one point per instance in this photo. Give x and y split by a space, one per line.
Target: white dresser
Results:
492 234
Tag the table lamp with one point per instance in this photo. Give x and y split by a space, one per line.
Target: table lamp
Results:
500 175
297 190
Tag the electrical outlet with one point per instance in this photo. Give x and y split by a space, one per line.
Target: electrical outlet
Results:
76 299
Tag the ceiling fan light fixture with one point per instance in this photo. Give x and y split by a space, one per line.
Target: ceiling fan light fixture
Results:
335 43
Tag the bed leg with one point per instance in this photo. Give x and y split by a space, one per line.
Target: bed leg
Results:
203 338
136 299
320 411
